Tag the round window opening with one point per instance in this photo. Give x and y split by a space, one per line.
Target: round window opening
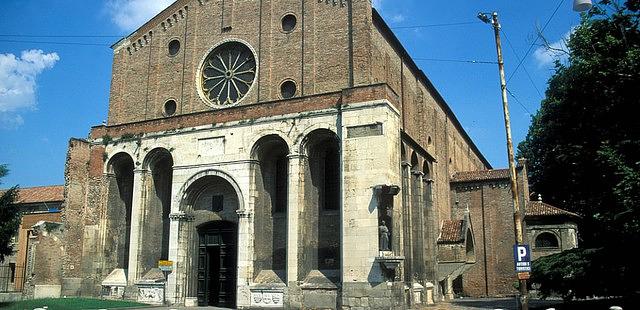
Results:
174 47
227 74
289 22
288 89
170 107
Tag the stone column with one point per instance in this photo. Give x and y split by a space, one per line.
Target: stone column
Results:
406 221
179 240
245 257
295 192
137 214
448 289
429 233
418 225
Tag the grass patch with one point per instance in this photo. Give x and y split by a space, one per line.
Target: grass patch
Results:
69 304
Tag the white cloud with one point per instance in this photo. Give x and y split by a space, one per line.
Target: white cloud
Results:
128 15
547 55
397 18
18 82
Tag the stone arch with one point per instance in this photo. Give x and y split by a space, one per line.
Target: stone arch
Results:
157 179
115 159
181 196
470 250
209 196
119 179
269 186
320 216
414 161
547 239
302 140
261 135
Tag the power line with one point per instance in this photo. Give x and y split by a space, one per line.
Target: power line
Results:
58 43
457 60
58 36
436 25
534 41
204 47
518 101
524 68
15 35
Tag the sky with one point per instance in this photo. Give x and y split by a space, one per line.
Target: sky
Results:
55 69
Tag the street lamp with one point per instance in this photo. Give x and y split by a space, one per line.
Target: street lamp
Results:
517 214
581 5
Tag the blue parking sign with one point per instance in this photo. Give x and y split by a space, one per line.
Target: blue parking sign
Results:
522 257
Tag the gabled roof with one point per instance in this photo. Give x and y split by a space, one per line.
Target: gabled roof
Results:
480 175
452 231
53 193
541 209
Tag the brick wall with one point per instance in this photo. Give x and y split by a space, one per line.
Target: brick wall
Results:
491 213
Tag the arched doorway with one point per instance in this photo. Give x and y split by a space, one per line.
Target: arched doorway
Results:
210 239
217 257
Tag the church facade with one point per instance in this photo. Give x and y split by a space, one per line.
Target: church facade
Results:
272 153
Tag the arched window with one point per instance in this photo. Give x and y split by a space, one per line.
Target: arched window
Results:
547 240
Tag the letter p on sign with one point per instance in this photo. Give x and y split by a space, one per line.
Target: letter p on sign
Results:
522 257
522 253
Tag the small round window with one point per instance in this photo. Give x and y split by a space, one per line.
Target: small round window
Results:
288 89
170 107
289 22
174 47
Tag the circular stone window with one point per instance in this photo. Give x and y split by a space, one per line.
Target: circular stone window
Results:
170 107
289 22
227 74
288 89
174 47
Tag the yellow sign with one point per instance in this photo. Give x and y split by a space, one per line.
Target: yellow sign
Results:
165 265
523 276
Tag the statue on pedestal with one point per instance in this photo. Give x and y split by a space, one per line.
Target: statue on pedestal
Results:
384 237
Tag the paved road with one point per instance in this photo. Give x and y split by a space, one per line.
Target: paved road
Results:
458 304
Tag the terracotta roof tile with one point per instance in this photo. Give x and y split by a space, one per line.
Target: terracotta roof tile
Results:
480 175
541 209
451 231
41 194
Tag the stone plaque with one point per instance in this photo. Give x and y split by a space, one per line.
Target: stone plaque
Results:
267 299
211 146
364 130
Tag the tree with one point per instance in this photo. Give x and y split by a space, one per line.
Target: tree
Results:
583 145
9 217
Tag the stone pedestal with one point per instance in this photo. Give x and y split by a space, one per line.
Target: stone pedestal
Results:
428 289
151 287
417 291
113 286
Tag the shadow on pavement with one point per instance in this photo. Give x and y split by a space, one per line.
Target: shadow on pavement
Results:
538 304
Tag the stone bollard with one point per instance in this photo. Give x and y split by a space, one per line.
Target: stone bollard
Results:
615 308
428 289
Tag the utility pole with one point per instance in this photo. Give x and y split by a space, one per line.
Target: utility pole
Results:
517 214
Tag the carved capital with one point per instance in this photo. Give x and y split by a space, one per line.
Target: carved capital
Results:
296 156
181 216
243 214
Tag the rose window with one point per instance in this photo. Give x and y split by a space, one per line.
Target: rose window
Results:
227 74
